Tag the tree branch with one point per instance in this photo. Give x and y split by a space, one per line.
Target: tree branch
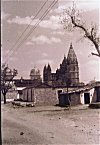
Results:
89 36
92 31
95 54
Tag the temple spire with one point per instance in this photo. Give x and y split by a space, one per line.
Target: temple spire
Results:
64 56
71 47
71 54
49 67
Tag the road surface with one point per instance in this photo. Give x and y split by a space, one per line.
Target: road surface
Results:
49 125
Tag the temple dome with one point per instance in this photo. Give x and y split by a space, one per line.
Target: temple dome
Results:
8 71
35 74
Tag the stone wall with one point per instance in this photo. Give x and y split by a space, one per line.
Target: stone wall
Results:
42 96
96 95
75 98
46 96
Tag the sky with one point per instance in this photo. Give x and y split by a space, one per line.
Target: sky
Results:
49 41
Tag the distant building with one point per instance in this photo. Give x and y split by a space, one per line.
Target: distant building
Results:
9 74
35 74
67 74
35 79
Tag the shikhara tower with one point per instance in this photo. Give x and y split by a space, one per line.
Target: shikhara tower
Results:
67 74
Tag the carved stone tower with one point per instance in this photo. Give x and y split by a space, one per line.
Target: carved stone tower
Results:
47 74
72 66
67 74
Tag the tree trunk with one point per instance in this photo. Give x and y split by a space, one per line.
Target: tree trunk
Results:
4 98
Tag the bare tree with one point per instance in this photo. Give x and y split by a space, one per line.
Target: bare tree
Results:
7 76
71 19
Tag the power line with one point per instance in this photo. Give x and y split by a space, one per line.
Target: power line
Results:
28 26
35 26
43 16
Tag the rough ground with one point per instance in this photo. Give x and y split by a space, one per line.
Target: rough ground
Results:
50 125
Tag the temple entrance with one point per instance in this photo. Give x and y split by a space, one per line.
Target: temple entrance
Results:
86 98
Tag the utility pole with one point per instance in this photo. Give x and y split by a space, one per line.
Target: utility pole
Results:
68 83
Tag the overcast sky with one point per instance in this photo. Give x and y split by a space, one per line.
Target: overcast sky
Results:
49 41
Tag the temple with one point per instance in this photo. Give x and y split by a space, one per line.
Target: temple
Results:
67 74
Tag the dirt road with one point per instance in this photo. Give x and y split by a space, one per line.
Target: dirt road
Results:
49 125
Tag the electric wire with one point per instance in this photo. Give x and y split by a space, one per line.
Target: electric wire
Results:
28 26
31 31
35 26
